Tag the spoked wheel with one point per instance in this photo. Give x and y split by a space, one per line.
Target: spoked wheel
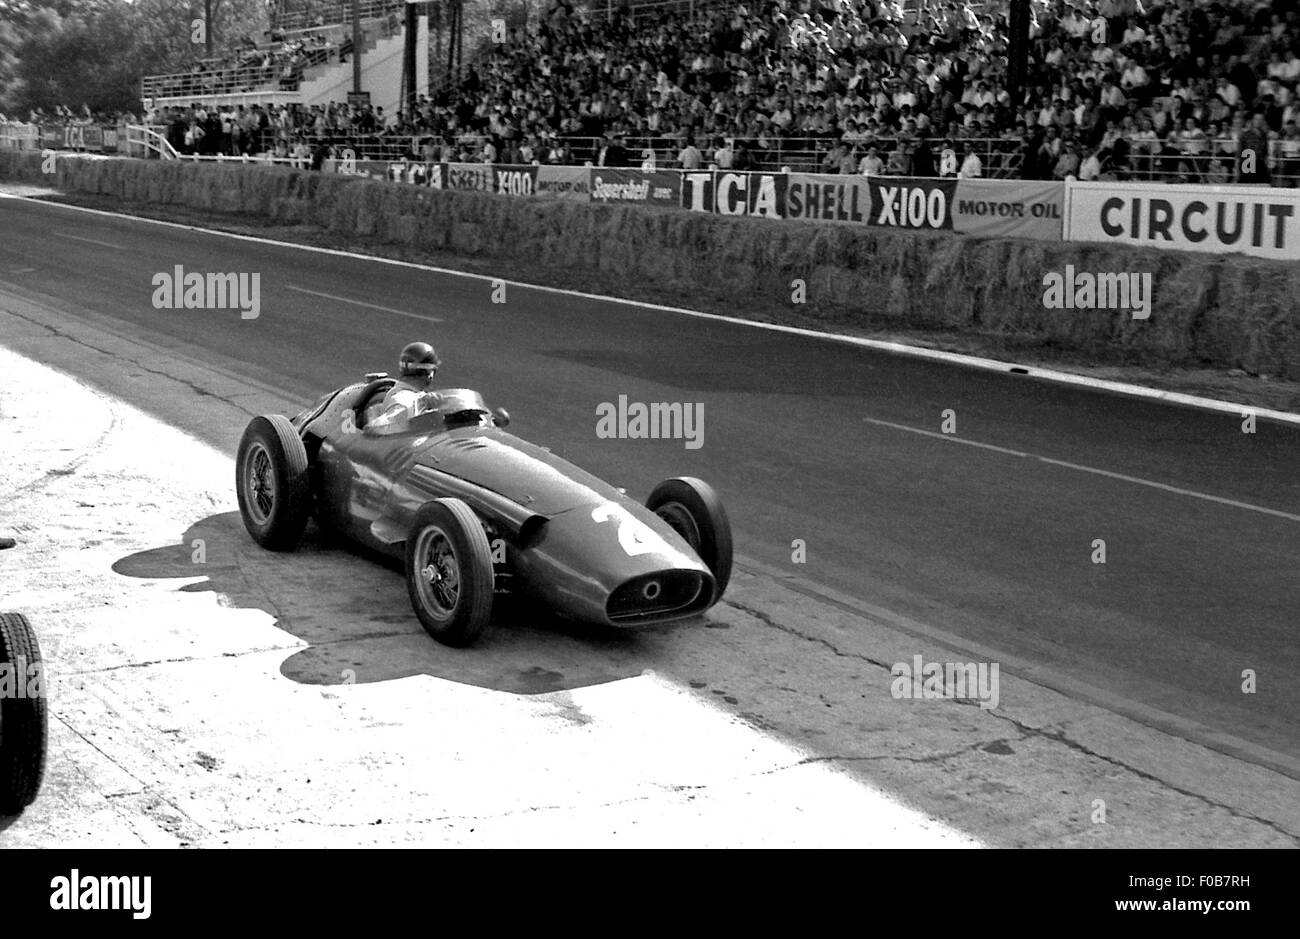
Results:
693 510
449 572
271 481
22 716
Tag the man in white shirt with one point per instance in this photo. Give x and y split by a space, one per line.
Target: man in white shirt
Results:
1076 25
1229 92
690 157
871 164
1090 169
971 167
1133 76
723 154
783 117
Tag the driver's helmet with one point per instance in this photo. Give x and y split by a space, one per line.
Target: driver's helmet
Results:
418 359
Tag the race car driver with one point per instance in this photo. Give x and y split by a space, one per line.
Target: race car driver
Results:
417 365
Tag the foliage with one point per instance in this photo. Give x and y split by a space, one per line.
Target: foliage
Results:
92 53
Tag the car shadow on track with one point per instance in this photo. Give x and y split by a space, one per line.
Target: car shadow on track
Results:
351 608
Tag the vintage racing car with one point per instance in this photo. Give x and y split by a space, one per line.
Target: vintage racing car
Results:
474 511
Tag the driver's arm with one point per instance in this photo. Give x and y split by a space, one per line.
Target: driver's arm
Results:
426 401
399 404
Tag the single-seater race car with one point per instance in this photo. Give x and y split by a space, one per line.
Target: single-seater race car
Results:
473 511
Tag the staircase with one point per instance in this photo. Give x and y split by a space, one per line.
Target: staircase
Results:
381 71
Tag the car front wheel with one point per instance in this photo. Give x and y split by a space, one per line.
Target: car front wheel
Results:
449 572
693 510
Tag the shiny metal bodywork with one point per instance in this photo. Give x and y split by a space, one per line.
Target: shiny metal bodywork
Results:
560 535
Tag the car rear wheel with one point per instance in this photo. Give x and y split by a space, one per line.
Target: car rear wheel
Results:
449 572
22 715
693 510
271 481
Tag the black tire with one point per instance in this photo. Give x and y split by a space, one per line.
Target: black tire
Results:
22 718
272 483
693 510
453 609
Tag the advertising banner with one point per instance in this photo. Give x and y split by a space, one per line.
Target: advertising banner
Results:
881 201
725 192
474 177
518 180
20 136
815 197
370 169
1251 220
999 208
911 204
477 177
564 182
612 186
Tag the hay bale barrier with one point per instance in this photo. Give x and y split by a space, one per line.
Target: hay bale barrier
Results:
1227 312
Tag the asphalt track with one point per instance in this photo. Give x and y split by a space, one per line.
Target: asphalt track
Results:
986 534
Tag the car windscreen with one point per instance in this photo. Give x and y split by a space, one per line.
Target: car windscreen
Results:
458 403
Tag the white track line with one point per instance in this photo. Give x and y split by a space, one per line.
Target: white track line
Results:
89 241
372 306
952 438
950 358
1167 488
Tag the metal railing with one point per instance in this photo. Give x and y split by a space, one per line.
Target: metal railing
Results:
261 159
795 154
1000 158
1212 168
143 141
650 8
195 86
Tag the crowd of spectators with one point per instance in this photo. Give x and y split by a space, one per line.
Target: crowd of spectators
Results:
1192 90
1118 88
61 114
289 130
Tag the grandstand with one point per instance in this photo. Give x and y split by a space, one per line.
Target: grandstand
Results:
1170 90
305 61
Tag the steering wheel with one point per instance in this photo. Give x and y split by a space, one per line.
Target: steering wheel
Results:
375 390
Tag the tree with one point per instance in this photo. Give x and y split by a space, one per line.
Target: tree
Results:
94 52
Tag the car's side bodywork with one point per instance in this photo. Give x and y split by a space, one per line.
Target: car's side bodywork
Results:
560 536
